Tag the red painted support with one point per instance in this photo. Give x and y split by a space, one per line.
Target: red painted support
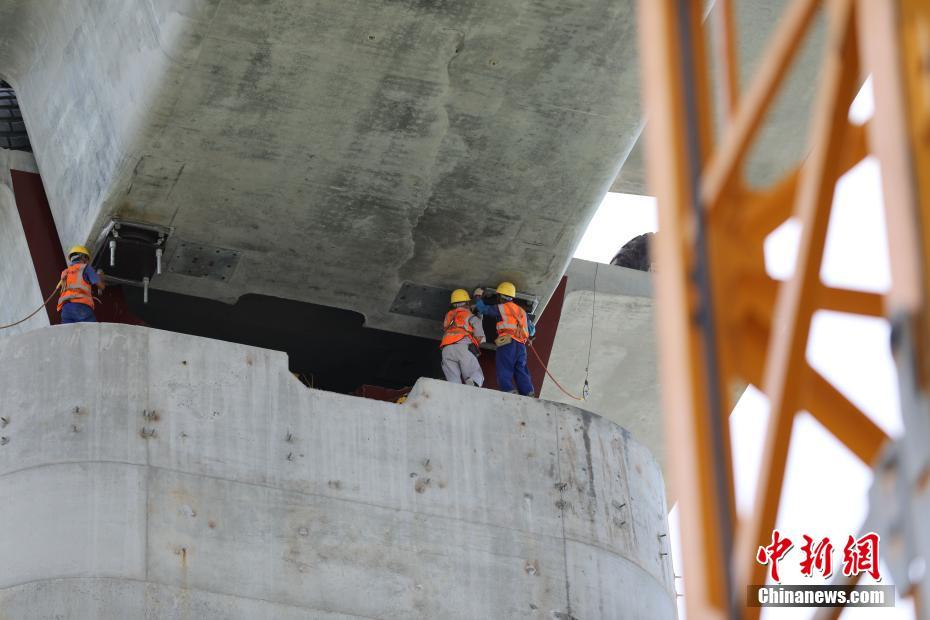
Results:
41 234
545 338
114 309
45 250
376 392
546 329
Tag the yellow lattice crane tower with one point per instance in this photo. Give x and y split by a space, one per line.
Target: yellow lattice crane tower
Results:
725 322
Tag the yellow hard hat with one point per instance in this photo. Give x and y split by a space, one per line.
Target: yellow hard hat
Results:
78 249
459 295
507 289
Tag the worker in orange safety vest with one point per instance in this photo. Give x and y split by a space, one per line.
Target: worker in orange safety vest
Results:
514 330
76 301
461 339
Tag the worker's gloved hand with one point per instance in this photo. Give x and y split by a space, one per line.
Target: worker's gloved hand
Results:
479 292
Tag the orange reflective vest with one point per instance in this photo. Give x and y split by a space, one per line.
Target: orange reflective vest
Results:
74 288
513 322
458 326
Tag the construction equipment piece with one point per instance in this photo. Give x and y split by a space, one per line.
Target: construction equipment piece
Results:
13 134
725 322
139 248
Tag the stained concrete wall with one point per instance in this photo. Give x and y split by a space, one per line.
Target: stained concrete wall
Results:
147 474
21 293
782 141
623 371
332 142
92 79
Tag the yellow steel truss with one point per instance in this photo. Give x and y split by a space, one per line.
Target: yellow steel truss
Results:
723 320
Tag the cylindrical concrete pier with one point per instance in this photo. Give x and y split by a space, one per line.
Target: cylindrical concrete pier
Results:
147 474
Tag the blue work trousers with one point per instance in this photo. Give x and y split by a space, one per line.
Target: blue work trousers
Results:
510 364
77 313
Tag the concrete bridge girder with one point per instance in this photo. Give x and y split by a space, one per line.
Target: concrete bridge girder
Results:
343 148
782 141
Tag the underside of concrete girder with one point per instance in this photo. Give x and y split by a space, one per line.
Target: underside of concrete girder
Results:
339 150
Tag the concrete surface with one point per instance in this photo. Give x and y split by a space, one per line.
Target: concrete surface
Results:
21 293
624 382
782 141
147 474
344 147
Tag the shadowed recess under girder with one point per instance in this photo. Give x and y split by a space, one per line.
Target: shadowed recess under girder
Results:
327 345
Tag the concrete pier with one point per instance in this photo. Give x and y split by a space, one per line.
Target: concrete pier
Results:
607 332
147 474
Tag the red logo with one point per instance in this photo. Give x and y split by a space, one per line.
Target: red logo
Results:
859 556
773 553
819 557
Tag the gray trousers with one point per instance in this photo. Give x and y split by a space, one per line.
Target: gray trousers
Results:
459 364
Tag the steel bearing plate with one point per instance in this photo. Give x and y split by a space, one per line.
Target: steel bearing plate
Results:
422 301
204 261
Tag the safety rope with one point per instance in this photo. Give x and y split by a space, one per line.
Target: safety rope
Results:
586 389
34 312
554 380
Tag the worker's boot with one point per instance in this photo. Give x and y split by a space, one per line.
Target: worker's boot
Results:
531 395
471 382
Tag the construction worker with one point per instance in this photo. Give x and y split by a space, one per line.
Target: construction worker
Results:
76 302
514 329
462 337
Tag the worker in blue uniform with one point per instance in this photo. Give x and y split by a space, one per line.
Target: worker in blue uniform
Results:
76 302
514 330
